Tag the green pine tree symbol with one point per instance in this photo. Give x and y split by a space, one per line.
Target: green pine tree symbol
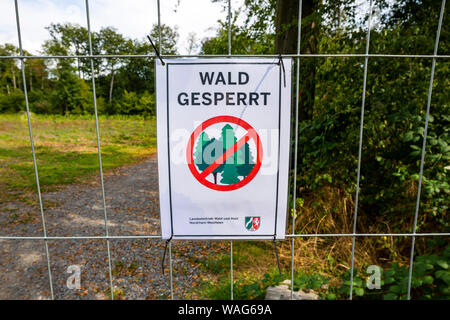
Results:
207 150
216 147
202 142
228 137
246 162
230 173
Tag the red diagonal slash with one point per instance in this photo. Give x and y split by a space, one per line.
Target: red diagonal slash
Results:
233 149
251 134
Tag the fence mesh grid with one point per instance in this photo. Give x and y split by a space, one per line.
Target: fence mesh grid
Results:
45 237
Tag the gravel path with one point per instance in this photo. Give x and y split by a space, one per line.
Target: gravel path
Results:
77 210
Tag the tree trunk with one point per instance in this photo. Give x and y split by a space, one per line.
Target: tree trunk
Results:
7 89
77 52
31 80
78 67
286 26
111 85
13 77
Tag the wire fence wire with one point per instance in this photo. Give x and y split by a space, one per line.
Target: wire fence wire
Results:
298 56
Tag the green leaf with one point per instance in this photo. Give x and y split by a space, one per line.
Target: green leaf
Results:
408 136
419 269
444 275
317 138
389 280
316 284
359 292
427 280
395 289
416 282
357 282
390 296
331 296
442 263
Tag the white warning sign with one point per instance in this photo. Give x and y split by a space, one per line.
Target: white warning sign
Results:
223 147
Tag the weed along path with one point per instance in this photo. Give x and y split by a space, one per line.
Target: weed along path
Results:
77 210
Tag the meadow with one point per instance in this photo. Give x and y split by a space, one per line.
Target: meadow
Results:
66 149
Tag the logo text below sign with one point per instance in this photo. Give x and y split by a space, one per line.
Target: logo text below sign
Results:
223 147
220 160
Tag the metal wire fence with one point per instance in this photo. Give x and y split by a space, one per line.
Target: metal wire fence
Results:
413 234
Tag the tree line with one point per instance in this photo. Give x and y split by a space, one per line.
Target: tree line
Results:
63 86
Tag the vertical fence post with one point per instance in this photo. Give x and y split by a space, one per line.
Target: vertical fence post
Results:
98 150
355 217
229 27
30 132
422 159
159 27
170 242
231 242
171 270
294 193
231 271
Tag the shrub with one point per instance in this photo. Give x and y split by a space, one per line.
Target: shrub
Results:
13 102
430 280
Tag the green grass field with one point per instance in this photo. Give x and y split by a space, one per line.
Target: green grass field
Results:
66 149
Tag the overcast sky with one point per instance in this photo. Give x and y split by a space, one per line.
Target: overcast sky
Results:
133 18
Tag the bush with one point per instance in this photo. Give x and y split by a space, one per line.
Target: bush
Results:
430 280
13 102
71 95
132 104
147 104
39 102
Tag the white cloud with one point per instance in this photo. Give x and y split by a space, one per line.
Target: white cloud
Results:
133 18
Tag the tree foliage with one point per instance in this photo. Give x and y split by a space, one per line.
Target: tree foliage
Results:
330 97
124 85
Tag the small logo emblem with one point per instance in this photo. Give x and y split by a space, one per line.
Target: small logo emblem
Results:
252 223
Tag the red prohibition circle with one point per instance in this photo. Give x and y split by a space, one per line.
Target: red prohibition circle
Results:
251 133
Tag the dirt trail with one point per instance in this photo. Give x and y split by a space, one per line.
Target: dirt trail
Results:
77 210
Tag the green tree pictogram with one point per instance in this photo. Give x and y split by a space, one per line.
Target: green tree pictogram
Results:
209 150
213 151
206 152
230 174
246 162
202 141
